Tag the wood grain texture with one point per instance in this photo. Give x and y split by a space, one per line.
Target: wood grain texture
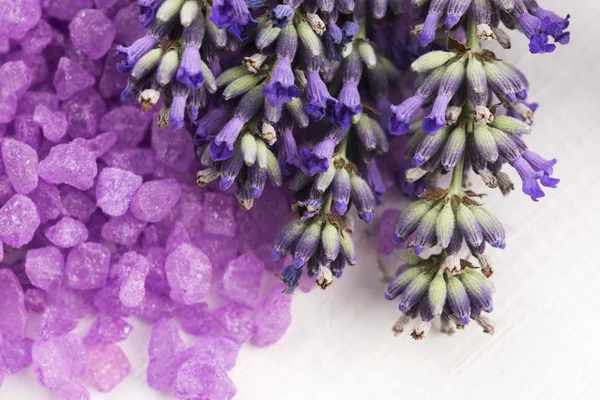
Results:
547 280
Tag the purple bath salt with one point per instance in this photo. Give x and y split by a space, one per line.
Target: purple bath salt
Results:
71 78
76 203
188 272
165 349
132 270
124 230
21 164
37 39
16 354
129 122
66 9
172 147
100 144
58 360
107 366
202 377
45 268
195 319
92 33
84 111
13 315
27 131
19 220
87 266
273 318
8 107
241 281
71 164
221 349
154 199
115 189
139 161
35 300
55 321
73 391
107 329
235 321
17 17
219 249
219 215
177 237
156 281
16 77
67 232
32 99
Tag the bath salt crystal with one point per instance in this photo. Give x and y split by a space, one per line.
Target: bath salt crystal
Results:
66 9
6 189
164 349
201 377
273 318
35 300
221 349
154 199
177 236
107 329
241 281
37 39
16 77
100 144
219 218
156 281
235 321
133 269
71 164
76 203
73 391
87 266
8 107
45 268
189 273
107 301
124 230
27 130
55 321
173 147
195 319
111 82
17 17
32 99
219 249
16 354
21 165
107 365
58 360
19 220
71 78
92 33
115 189
129 122
84 111
127 24
155 307
139 161
67 232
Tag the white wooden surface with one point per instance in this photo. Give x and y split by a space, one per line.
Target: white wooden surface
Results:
547 343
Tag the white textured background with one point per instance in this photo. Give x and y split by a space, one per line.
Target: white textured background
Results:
547 342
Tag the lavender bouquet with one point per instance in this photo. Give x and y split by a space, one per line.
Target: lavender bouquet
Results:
264 105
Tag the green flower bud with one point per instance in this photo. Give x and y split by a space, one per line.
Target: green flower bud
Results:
297 112
248 147
454 148
262 158
511 125
231 75
468 225
330 239
323 180
409 219
367 54
444 227
168 10
210 82
485 143
273 169
240 86
147 63
431 60
476 76
400 282
167 67
437 294
347 247
309 39
188 13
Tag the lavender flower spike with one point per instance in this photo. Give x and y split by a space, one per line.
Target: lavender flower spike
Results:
436 9
458 300
317 160
318 96
341 190
362 198
134 52
281 88
281 15
453 78
307 244
539 163
347 107
530 178
221 147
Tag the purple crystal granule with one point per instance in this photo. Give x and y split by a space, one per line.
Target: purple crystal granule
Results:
201 377
55 321
58 360
73 391
219 216
189 272
235 321
221 349
16 354
154 199
67 232
107 365
273 318
165 350
21 164
241 281
132 271
19 220
195 319
115 189
45 268
173 147
71 78
17 17
107 329
71 164
92 33
54 124
124 230
129 123
84 111
87 266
